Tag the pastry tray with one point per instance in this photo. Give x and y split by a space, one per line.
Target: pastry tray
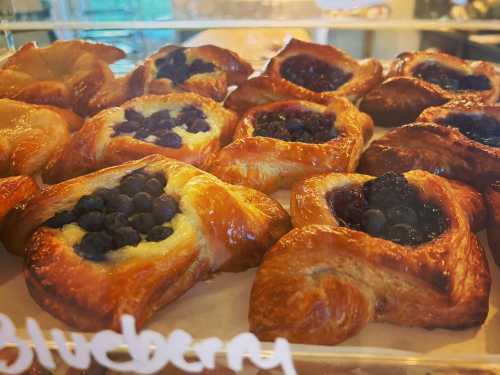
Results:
219 307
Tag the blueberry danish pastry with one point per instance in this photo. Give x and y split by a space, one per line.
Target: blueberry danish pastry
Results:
183 126
206 70
65 74
138 236
279 143
396 249
307 71
419 80
460 140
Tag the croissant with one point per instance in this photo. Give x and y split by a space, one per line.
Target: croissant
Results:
65 74
492 197
307 71
184 126
419 80
280 143
144 232
396 249
462 143
31 136
206 70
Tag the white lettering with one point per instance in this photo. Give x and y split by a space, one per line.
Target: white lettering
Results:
149 350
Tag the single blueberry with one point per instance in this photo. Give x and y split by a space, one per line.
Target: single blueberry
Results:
132 184
60 219
159 233
132 115
94 246
153 186
373 221
171 140
165 208
92 221
89 203
143 202
142 222
121 203
125 236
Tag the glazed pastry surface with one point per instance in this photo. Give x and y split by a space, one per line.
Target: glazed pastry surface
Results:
183 126
307 71
285 152
212 226
322 283
419 80
492 197
65 74
31 136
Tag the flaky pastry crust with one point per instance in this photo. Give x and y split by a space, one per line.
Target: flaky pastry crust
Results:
402 97
271 86
492 197
435 148
221 227
14 191
65 74
30 137
268 164
94 147
321 283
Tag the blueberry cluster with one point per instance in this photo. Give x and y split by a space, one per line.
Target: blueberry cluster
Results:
450 79
390 208
160 125
478 127
296 126
313 74
135 211
174 67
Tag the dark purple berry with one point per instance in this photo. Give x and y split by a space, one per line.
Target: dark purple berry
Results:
373 221
132 115
132 184
94 246
92 221
121 203
154 187
89 203
199 125
142 222
159 233
165 208
60 219
171 140
125 236
114 221
143 202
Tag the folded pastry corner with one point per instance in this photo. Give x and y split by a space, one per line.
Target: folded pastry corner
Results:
396 249
419 80
279 143
307 71
138 236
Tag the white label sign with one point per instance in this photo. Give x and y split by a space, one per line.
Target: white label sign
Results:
149 350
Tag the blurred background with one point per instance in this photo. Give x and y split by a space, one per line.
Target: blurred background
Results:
383 44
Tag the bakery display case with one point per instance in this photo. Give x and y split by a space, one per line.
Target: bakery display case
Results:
254 187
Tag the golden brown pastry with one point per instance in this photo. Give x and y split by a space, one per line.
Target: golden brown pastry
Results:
65 74
205 70
396 249
459 140
419 80
30 137
13 191
138 236
183 126
492 197
280 143
307 71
